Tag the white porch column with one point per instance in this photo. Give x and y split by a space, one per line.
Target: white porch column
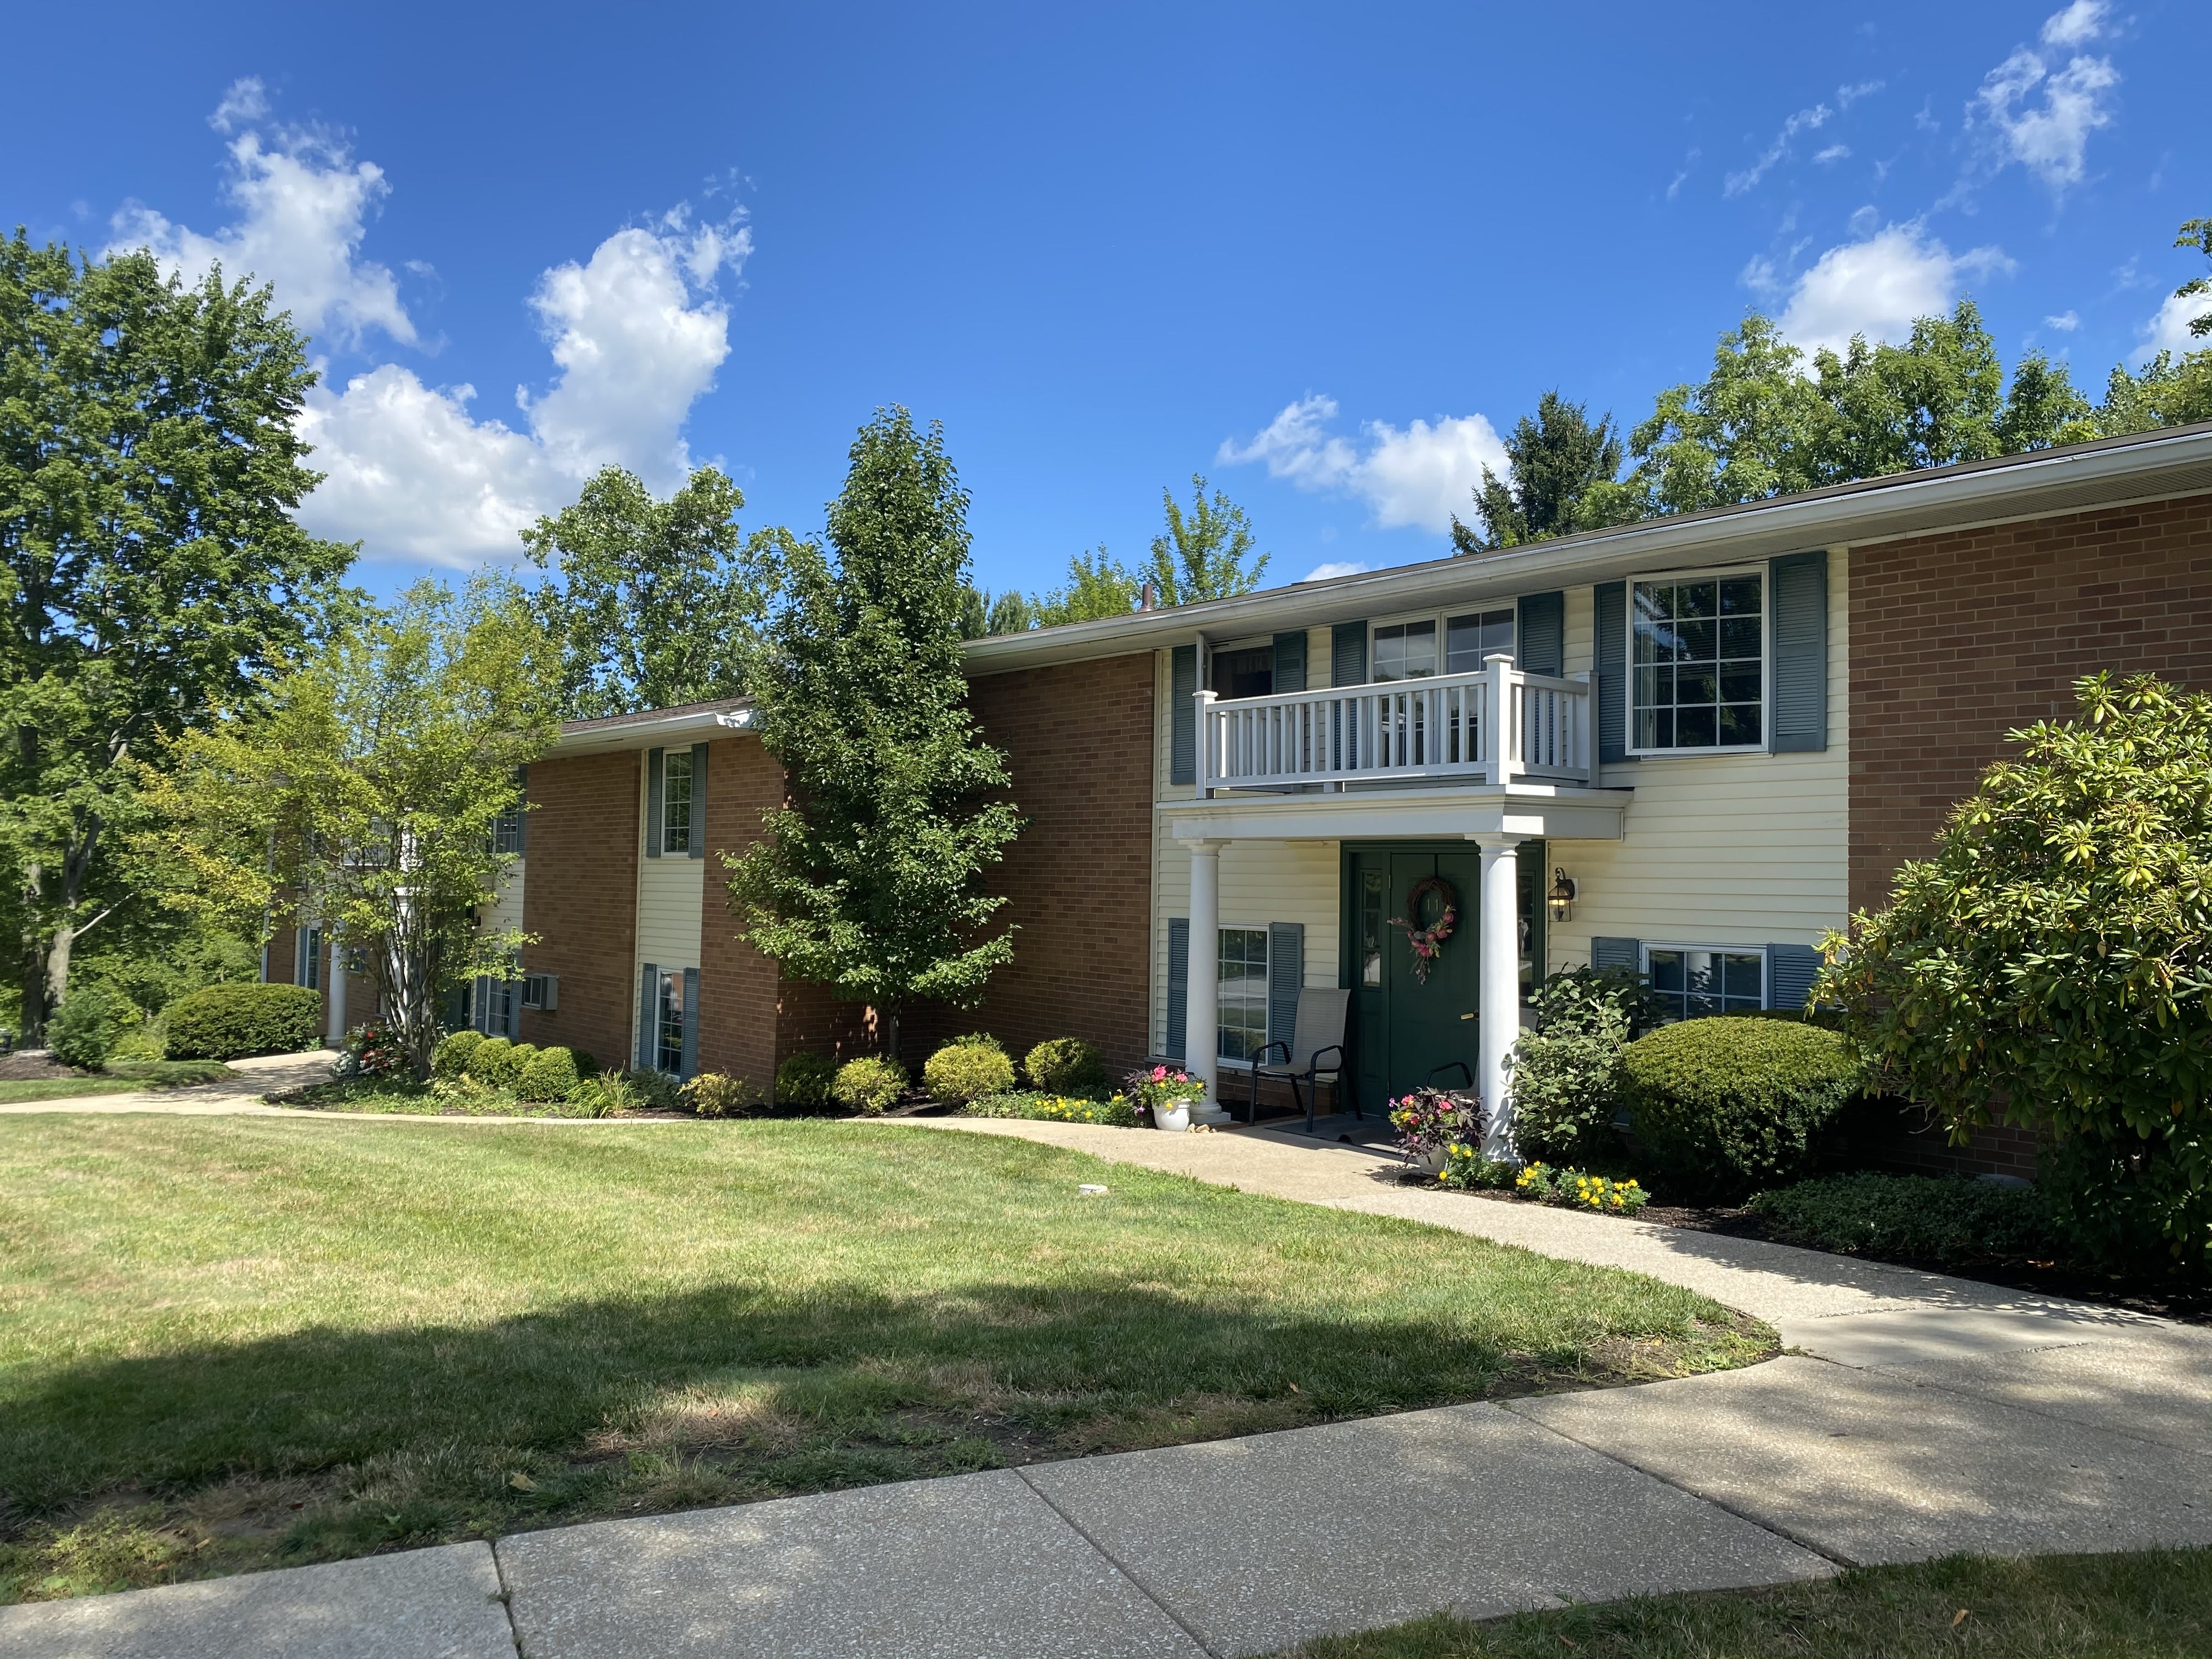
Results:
1201 1007
336 996
1498 961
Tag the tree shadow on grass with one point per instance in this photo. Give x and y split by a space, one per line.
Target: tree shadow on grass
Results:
329 1442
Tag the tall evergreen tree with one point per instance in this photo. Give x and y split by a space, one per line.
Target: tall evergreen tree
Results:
870 881
149 468
1201 554
1554 460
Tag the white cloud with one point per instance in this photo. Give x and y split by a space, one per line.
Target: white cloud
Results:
636 331
1417 477
1833 153
245 101
303 205
410 474
1322 573
2081 21
1878 286
1846 96
1805 120
2065 322
2169 330
2049 135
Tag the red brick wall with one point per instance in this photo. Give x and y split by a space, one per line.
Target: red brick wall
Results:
579 896
283 956
1959 638
1078 742
737 984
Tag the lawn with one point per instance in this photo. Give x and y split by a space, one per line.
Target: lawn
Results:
122 1077
2154 1604
232 1343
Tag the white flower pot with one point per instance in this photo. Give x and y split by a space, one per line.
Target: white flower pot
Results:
1176 1116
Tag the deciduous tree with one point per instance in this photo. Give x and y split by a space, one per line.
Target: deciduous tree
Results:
1203 554
365 791
870 881
150 569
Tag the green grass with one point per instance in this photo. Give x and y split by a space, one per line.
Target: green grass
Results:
2149 1605
228 1343
122 1077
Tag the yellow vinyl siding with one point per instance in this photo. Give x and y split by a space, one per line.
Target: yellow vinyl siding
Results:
1722 849
1261 881
505 914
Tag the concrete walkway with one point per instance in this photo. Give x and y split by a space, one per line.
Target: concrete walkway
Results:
1916 1415
238 1097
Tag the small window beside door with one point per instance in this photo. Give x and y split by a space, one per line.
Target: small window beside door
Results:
668 1046
676 801
1249 672
1243 989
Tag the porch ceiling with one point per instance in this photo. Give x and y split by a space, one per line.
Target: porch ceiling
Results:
1529 811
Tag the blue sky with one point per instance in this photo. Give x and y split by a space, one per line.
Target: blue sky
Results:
1322 254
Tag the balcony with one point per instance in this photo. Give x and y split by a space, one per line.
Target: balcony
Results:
1493 729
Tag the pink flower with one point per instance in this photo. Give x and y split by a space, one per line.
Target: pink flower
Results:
1159 1074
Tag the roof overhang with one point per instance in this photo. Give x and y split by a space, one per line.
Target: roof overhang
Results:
655 730
2114 472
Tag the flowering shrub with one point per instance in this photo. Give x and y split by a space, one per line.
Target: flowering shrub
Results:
1120 1112
1429 1120
1578 1189
1467 1169
1162 1086
375 1049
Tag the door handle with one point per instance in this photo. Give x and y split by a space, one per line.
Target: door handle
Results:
1472 1016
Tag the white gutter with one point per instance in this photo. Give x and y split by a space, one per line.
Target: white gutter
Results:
1876 510
651 732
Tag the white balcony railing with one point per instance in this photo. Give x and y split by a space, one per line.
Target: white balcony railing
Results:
1442 729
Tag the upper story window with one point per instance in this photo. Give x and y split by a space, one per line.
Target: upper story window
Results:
676 801
1248 672
1698 655
1410 650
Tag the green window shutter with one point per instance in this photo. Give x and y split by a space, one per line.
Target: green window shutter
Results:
1182 715
1617 953
648 1006
1611 680
1178 984
1289 662
1287 976
691 1024
1799 715
1790 972
654 785
698 802
1347 655
1543 635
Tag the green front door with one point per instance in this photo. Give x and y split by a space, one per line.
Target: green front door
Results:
1406 1028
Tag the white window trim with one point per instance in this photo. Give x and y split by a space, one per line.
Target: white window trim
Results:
1766 744
1443 620
1765 967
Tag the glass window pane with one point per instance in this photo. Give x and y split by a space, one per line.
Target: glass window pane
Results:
1739 638
1696 641
1742 977
1468 639
1370 929
1696 684
1739 684
1703 643
675 803
1740 597
1695 728
1242 993
1739 724
1666 970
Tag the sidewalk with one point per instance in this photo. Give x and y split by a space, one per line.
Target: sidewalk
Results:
238 1097
1916 1415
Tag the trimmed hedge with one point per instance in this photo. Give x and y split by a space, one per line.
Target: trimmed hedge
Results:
450 1058
551 1073
804 1080
962 1072
1725 1106
229 1022
1941 1219
488 1061
869 1084
1065 1065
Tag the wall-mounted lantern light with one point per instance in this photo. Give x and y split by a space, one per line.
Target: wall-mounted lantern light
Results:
1561 898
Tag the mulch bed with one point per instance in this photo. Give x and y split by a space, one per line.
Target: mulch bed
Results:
33 1066
2190 1303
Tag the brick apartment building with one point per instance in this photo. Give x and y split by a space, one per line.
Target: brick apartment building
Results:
1725 730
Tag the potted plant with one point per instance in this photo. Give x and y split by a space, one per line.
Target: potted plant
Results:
1166 1093
1428 1120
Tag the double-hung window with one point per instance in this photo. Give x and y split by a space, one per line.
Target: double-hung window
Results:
1471 639
1691 980
1242 993
1697 657
676 802
1405 651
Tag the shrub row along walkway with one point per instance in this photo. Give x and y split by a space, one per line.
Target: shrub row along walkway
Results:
1916 1415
